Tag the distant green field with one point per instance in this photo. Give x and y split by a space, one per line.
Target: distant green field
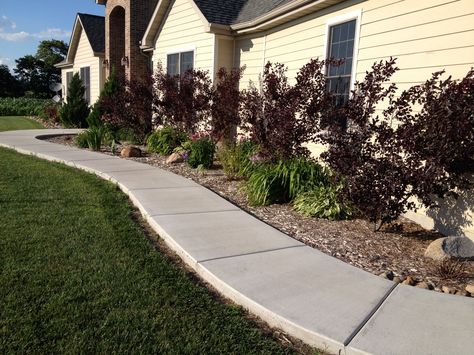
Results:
11 123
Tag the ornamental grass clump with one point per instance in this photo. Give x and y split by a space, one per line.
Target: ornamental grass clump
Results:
323 201
91 138
281 182
236 158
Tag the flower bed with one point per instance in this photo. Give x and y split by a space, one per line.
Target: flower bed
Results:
396 251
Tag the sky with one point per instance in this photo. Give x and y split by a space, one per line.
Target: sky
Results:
25 23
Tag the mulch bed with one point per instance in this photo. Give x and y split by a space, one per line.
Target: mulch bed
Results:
397 249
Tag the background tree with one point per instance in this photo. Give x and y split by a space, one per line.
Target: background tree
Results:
37 72
74 113
9 85
49 53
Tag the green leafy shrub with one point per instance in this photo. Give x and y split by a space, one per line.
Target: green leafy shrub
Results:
323 202
202 153
82 139
91 138
75 111
165 140
281 182
23 106
235 158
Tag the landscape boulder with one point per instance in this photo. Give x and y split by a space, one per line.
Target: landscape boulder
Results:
131 152
459 248
174 159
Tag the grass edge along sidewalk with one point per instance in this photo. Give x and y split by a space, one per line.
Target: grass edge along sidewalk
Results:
79 275
12 123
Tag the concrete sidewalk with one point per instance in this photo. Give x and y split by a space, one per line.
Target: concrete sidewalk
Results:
312 296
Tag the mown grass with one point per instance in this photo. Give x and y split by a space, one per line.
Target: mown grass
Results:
78 275
12 123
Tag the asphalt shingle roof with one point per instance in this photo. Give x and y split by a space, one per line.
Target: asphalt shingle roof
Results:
94 26
229 12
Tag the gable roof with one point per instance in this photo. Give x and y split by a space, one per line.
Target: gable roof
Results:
238 16
94 27
230 12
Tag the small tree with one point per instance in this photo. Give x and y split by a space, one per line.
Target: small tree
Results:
226 99
366 154
129 108
111 86
75 111
270 117
183 101
439 135
281 117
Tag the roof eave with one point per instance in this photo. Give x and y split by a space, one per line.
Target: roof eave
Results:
63 65
288 12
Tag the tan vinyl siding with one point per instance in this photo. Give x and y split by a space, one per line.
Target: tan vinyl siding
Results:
183 29
250 52
425 36
84 57
225 53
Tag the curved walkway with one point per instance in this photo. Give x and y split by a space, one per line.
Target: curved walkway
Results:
310 295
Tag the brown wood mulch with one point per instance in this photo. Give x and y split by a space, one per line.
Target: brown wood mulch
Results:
398 248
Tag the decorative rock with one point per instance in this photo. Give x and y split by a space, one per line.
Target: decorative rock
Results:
447 289
461 248
409 281
174 159
397 280
470 289
462 293
423 285
131 152
387 275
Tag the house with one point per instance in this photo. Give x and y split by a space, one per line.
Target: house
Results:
425 36
86 55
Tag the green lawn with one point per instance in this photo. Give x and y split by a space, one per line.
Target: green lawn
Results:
11 123
78 275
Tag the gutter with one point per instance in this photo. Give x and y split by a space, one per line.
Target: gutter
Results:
279 14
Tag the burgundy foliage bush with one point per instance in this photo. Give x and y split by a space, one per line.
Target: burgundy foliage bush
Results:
130 107
182 101
437 131
282 117
366 154
226 99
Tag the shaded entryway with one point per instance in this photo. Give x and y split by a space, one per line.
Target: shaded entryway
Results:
117 55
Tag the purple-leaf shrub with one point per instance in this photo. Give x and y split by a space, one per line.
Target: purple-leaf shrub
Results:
366 154
226 97
183 101
130 107
437 132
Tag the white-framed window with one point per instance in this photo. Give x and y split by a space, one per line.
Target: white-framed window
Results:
178 63
342 39
85 74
